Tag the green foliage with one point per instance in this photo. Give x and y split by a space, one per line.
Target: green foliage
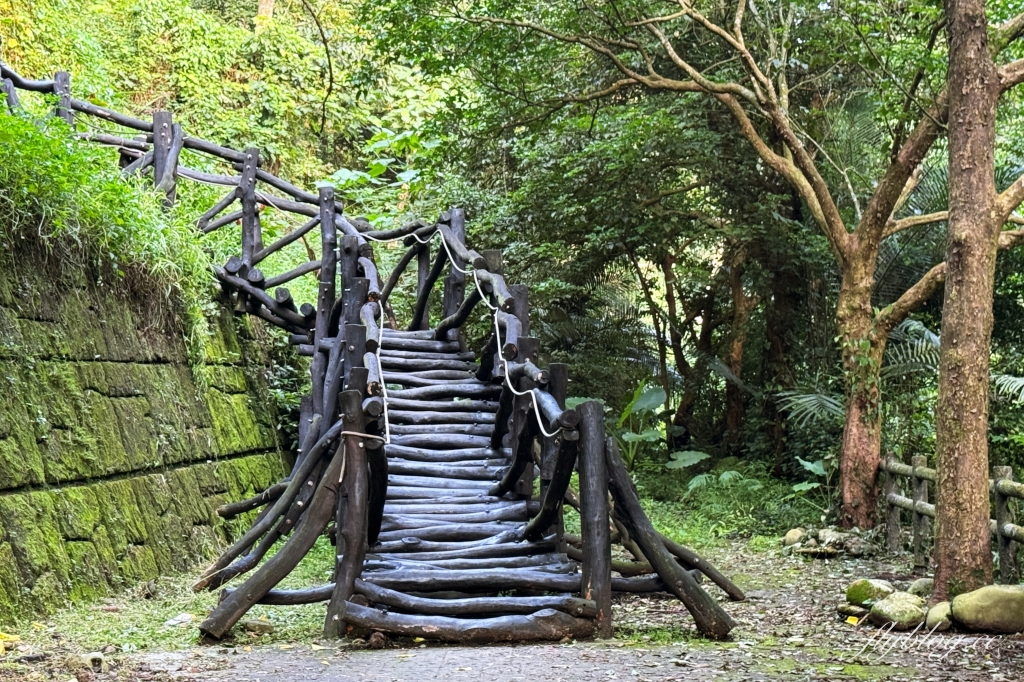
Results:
69 198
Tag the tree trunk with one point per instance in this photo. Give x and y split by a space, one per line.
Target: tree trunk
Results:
862 351
742 306
264 13
962 506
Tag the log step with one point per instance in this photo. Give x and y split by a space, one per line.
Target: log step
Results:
440 441
462 429
454 406
450 417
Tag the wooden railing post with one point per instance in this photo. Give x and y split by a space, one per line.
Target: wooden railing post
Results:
597 554
11 95
62 88
921 523
423 261
892 512
528 349
163 131
558 383
455 282
1009 572
326 293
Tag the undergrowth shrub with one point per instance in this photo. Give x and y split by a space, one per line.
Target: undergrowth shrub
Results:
68 197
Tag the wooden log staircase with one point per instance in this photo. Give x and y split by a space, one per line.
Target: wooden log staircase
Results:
439 473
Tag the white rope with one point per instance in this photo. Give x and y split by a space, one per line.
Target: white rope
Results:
380 370
497 334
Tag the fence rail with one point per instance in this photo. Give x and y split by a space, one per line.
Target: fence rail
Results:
1002 487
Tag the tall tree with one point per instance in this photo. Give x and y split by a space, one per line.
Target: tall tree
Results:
700 48
977 212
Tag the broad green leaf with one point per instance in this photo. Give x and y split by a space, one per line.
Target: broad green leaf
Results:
687 458
817 467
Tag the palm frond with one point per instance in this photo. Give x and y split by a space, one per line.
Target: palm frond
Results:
1009 386
806 407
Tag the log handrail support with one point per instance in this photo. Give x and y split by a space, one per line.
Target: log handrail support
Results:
1007 535
463 441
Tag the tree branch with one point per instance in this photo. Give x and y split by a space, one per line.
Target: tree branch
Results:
669 192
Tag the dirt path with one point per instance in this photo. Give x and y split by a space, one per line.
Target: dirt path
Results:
787 630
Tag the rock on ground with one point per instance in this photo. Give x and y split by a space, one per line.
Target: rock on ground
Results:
940 617
904 610
995 608
865 592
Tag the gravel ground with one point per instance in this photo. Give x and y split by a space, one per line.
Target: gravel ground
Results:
787 630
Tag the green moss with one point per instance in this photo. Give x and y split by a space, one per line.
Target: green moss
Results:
78 512
88 580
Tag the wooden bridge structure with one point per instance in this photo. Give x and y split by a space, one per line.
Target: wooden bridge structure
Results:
418 456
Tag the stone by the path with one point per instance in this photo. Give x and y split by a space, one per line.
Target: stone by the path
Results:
995 608
257 626
827 536
922 587
865 592
904 610
851 610
940 617
794 536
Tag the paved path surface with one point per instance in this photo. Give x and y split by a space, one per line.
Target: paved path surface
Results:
787 630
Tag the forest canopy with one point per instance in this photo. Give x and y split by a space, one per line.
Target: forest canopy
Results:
732 217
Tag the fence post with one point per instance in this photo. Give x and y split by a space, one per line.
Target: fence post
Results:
163 129
455 283
892 512
596 581
62 88
922 527
1009 572
11 92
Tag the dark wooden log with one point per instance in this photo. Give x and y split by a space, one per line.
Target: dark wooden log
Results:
457 506
169 177
499 580
528 370
238 603
522 454
314 448
348 266
287 205
397 492
373 407
363 248
692 561
474 606
373 378
284 299
456 515
427 357
326 292
368 316
710 618
474 390
553 492
333 380
219 222
511 332
138 165
506 403
110 115
247 197
400 416
263 297
448 532
208 178
214 210
454 293
288 188
551 563
370 273
420 315
544 625
471 550
494 285
457 472
442 441
256 278
233 509
401 404
466 429
378 481
557 387
596 584
295 273
396 343
163 134
416 379
213 149
488 359
416 365
356 497
398 232
435 483
139 144
62 88
289 238
11 95
456 455
399 268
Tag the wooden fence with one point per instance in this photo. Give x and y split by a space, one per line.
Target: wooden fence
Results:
1003 488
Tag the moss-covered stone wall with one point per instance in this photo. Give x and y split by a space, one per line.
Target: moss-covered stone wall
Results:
112 459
